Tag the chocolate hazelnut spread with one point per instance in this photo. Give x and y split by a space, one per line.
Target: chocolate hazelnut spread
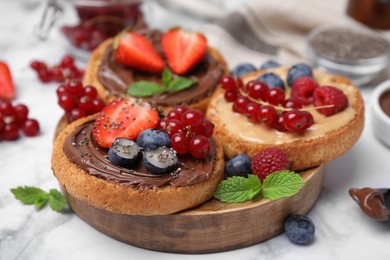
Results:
116 78
372 202
384 102
81 149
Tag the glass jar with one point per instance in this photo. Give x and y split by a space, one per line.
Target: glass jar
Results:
97 20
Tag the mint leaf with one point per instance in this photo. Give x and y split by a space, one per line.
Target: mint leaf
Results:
281 184
166 77
29 195
144 89
57 201
40 202
238 189
35 196
180 83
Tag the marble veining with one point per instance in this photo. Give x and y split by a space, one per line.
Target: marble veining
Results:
342 230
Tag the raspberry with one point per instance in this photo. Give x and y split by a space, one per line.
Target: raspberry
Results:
302 90
268 161
328 95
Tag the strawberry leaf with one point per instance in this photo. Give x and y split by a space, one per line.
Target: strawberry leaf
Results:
144 89
180 83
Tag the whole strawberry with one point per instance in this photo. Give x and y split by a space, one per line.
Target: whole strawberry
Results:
268 161
330 96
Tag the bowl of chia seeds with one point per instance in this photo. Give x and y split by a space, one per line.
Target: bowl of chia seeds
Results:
358 54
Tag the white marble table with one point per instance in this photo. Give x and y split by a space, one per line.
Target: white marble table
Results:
342 230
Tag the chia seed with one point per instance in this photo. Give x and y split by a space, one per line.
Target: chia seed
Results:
343 43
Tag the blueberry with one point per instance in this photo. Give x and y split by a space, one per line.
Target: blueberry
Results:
269 64
299 229
151 139
160 160
272 80
123 152
242 69
298 70
239 165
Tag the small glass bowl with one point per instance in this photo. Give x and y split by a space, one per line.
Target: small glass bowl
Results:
380 119
361 68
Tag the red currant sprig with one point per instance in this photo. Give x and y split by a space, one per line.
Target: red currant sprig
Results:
189 131
66 69
15 118
77 100
268 106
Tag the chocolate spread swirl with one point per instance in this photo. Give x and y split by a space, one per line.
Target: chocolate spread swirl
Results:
82 150
116 78
372 202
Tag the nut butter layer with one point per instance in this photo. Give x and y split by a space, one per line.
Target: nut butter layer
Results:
83 170
325 140
112 79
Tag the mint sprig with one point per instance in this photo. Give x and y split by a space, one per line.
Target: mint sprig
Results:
38 197
171 84
277 185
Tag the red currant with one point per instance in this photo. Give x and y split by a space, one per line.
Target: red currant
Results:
290 103
11 132
162 124
38 65
97 105
44 75
258 90
62 89
251 111
275 96
279 123
85 103
90 91
267 115
180 142
76 113
21 113
6 108
240 104
2 125
207 128
228 83
67 62
67 102
193 118
30 127
296 120
200 146
230 96
173 126
75 87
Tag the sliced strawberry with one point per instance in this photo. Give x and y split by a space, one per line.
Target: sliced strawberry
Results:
7 88
184 49
136 51
123 118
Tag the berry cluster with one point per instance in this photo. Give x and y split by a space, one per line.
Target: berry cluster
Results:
77 100
85 36
266 105
66 69
188 130
264 163
15 118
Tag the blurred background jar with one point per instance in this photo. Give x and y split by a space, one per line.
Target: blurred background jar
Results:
373 13
96 20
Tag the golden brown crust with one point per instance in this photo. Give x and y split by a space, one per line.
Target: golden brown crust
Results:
91 72
118 198
304 152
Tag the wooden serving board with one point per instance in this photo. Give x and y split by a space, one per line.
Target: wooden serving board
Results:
211 227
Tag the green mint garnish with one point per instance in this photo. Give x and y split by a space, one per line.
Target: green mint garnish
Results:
281 184
275 186
238 189
35 196
170 84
